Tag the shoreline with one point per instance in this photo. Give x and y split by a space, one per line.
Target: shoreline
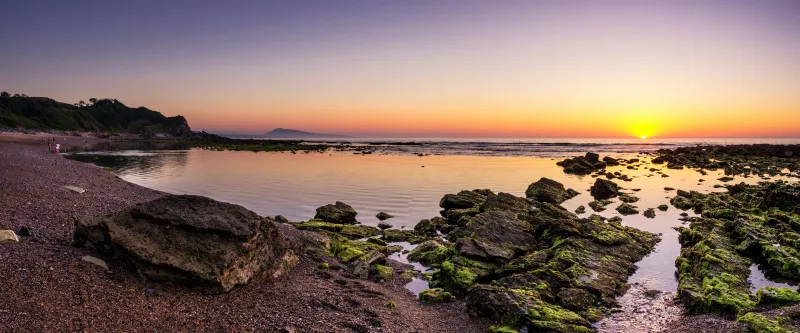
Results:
53 290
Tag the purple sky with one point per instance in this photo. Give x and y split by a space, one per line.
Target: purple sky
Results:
419 67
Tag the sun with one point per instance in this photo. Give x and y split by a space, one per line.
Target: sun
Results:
644 137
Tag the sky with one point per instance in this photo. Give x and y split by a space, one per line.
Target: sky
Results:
550 68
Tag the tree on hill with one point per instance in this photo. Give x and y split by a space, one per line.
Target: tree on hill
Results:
93 101
81 104
5 94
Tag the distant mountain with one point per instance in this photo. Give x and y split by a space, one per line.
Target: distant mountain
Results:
282 133
104 115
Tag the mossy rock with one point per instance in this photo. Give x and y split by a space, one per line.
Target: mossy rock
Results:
394 235
777 297
382 273
435 296
627 198
340 213
430 253
599 205
580 210
760 324
376 241
663 207
347 230
626 209
502 329
650 213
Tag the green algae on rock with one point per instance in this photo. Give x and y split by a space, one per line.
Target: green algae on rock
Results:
745 225
435 296
348 230
567 268
339 213
599 205
650 213
626 209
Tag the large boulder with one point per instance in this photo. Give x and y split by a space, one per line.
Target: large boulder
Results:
550 191
339 213
604 189
190 239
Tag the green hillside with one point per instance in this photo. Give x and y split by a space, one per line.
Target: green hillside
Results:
105 115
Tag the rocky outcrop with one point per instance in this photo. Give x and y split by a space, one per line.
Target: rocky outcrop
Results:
735 231
525 262
190 239
548 190
339 213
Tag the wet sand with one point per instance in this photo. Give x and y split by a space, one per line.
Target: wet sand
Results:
46 287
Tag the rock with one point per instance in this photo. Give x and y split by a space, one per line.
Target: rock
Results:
576 299
8 235
599 205
363 265
627 198
190 239
777 297
394 235
339 213
592 157
604 189
610 161
24 232
95 261
429 253
384 216
384 226
663 207
550 191
650 213
74 189
425 227
435 296
382 273
504 202
525 308
348 230
376 241
281 219
626 209
464 199
580 210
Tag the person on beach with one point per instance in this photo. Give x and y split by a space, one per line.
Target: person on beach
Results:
58 148
49 146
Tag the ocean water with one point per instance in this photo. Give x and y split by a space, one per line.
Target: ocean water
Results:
395 180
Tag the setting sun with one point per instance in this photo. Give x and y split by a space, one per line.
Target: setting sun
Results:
644 137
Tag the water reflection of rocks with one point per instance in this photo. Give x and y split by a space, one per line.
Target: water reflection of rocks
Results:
137 157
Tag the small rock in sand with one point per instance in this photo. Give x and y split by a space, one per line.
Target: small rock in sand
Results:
96 261
74 189
8 235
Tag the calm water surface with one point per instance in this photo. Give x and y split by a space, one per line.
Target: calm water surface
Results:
406 186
